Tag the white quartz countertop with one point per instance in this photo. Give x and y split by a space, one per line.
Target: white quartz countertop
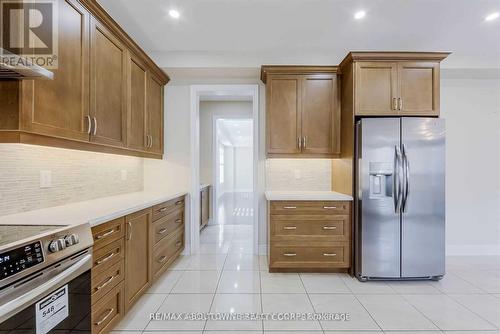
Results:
94 212
306 196
204 185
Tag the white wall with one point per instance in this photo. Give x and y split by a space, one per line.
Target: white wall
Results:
471 108
208 111
243 169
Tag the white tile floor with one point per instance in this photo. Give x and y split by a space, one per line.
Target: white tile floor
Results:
227 277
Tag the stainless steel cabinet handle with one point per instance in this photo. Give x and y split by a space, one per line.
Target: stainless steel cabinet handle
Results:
111 278
150 141
95 126
397 179
178 244
305 141
394 103
89 124
290 228
162 259
129 230
406 177
329 254
299 143
329 207
400 103
289 254
289 207
106 258
163 209
178 203
329 227
178 221
98 323
104 235
162 230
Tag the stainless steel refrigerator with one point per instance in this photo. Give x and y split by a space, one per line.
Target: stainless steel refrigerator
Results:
400 199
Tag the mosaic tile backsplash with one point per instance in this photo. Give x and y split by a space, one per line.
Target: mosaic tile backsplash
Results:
299 174
76 176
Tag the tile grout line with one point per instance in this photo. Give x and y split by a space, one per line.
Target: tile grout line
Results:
310 301
422 313
362 305
472 311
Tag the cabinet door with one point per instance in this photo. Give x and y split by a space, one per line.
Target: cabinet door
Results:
283 117
154 105
205 207
108 90
376 88
137 256
136 123
60 107
419 88
320 115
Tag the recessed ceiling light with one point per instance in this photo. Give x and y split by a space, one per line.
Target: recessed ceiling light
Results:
359 15
174 13
492 16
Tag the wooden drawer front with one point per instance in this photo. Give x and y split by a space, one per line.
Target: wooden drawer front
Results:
108 232
107 280
107 256
335 229
309 207
108 311
163 209
165 251
312 256
166 225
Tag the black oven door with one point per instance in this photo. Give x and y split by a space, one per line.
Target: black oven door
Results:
55 300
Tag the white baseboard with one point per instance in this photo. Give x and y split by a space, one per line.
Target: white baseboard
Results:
472 250
262 249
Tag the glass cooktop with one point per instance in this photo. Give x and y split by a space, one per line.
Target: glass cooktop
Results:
13 233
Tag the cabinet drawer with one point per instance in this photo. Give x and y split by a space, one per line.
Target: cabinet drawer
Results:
336 228
107 280
108 232
164 253
108 311
163 209
309 207
166 225
311 256
107 256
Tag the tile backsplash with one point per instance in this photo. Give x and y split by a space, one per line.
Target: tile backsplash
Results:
75 176
299 174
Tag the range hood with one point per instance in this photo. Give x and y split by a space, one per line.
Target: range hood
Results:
13 66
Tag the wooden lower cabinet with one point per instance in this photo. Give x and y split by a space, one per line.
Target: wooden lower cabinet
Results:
309 236
204 206
129 254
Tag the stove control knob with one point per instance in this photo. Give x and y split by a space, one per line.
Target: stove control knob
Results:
57 245
71 239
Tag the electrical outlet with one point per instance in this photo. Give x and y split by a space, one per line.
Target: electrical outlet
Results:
123 174
45 179
297 174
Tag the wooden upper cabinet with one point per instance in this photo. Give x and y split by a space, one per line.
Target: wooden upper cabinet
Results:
418 88
302 111
136 124
154 115
320 116
137 255
376 88
60 107
283 118
108 88
394 83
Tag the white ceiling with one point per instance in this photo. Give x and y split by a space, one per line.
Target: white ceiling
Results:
236 132
248 33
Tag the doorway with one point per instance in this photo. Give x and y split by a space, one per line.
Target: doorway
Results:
225 168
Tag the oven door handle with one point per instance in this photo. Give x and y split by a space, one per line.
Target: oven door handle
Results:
34 294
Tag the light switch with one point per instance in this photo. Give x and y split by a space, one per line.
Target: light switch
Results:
45 179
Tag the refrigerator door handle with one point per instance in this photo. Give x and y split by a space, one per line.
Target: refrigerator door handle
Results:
406 177
397 179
